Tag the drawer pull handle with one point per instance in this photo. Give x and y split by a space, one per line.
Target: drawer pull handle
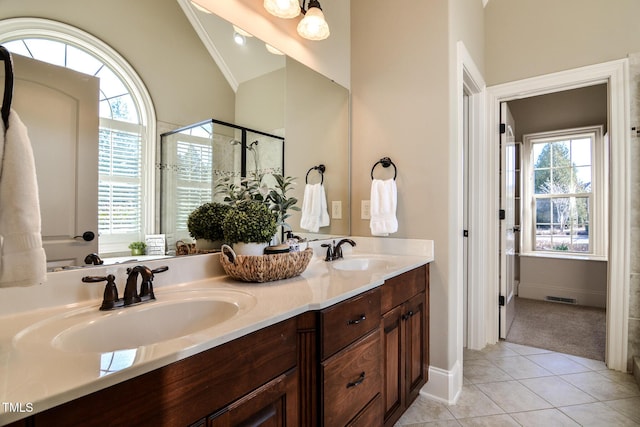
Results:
356 382
362 318
408 315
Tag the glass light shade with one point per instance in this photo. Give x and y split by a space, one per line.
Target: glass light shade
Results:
313 26
239 39
272 49
241 31
283 8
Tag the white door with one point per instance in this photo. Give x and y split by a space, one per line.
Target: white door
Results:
59 106
507 207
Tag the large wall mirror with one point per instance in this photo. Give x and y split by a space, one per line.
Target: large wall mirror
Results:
283 98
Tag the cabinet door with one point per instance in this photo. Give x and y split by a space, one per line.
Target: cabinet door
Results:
392 332
414 320
275 404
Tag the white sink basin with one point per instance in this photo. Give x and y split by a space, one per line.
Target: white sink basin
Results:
172 315
360 264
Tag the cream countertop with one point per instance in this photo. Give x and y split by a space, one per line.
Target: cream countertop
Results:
39 376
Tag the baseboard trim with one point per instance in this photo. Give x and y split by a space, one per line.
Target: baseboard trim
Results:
444 386
582 296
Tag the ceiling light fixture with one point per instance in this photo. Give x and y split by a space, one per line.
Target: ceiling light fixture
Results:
283 8
239 39
313 25
241 31
272 49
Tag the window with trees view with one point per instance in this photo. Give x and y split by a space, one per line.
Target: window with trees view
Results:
565 190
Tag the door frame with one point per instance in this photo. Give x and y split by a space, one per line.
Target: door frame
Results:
616 75
470 82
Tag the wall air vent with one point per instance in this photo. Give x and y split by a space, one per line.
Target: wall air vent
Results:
561 299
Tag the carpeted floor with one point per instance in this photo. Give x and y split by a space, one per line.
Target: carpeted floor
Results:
564 328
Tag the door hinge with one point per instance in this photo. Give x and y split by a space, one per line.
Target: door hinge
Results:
501 300
502 214
465 233
503 128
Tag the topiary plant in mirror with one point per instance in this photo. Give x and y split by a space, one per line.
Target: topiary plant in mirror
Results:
249 222
205 224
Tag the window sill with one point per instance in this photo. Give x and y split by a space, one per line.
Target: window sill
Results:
572 256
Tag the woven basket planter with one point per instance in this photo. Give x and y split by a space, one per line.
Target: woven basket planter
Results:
264 268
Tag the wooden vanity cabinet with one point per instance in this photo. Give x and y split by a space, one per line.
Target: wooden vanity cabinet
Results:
340 363
274 404
251 378
405 332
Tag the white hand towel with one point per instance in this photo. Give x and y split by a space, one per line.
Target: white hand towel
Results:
314 208
384 200
22 258
324 213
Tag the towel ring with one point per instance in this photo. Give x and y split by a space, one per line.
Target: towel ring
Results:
385 162
320 169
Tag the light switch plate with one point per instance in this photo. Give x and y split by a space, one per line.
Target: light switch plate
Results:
365 209
336 209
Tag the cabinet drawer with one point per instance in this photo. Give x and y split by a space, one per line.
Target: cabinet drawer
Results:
351 379
345 322
369 416
399 289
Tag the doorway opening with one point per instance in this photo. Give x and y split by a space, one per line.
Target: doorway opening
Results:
614 75
559 221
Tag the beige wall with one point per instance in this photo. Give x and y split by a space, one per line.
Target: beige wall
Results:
562 110
154 36
402 54
533 37
582 280
260 102
317 123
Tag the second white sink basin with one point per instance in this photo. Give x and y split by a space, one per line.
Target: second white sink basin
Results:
360 264
172 315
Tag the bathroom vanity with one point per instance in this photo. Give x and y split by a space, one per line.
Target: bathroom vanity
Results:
346 343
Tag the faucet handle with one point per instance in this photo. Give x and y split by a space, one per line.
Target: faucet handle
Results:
330 251
160 269
110 296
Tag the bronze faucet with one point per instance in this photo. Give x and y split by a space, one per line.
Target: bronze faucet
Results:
131 296
334 251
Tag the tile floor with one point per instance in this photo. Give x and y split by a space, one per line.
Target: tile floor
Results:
513 385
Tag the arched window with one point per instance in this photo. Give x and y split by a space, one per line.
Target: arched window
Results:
127 123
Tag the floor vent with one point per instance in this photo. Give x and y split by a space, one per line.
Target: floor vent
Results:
561 299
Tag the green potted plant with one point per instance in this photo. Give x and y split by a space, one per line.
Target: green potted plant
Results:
249 226
137 248
205 225
277 198
254 188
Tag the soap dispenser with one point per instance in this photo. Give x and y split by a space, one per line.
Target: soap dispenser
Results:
292 241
